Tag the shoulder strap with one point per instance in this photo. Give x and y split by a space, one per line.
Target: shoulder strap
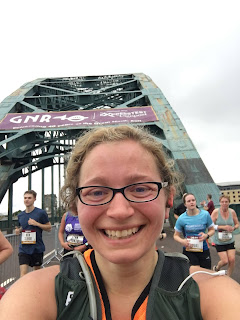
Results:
175 270
76 268
170 271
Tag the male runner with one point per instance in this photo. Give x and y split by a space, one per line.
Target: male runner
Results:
32 222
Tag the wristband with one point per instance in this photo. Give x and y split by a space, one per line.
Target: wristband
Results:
215 226
86 244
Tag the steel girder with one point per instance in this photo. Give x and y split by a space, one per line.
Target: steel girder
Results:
29 150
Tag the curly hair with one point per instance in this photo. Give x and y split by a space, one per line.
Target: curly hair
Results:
97 136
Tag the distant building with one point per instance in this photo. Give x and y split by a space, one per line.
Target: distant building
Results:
48 203
231 189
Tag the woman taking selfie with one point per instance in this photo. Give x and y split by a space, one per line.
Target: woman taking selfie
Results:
123 186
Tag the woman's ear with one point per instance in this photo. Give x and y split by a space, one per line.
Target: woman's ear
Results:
170 199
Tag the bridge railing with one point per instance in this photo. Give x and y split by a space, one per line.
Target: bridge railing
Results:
9 270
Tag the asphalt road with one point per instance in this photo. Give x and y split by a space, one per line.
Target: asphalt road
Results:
170 245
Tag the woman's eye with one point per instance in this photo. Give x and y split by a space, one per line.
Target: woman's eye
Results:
140 189
97 193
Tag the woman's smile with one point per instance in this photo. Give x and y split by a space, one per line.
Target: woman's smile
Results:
121 234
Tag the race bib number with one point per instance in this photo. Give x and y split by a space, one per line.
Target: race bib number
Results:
75 239
224 235
28 237
196 245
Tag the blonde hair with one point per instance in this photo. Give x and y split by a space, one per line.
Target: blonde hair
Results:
97 136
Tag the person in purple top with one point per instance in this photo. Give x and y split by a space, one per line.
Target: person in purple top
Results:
74 239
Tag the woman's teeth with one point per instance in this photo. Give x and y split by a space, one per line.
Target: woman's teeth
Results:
117 234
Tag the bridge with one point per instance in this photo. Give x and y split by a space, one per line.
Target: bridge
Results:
41 120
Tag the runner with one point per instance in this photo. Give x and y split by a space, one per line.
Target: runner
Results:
226 221
32 222
193 224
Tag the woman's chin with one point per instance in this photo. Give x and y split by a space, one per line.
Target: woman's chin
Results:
123 256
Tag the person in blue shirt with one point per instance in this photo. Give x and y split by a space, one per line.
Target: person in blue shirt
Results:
192 224
32 222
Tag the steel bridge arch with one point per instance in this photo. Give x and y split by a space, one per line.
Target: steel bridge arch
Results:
28 150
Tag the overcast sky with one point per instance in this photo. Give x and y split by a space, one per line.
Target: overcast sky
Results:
190 49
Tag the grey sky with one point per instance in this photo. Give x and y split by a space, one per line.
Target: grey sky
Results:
190 50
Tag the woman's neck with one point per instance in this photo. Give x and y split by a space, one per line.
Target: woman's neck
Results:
193 212
127 278
224 210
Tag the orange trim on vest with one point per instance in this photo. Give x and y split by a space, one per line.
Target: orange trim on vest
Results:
141 313
87 254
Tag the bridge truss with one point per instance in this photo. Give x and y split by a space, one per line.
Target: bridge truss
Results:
29 149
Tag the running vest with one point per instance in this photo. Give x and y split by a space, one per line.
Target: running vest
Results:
222 222
159 300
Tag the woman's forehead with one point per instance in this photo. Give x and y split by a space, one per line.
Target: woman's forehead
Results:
123 147
190 197
124 156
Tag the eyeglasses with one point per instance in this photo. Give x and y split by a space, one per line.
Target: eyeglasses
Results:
136 192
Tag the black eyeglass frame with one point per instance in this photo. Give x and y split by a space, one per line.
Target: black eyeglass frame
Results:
121 190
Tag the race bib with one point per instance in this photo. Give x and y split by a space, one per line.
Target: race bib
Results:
196 245
224 235
28 237
75 239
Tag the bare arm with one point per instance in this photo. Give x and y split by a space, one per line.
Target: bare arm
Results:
204 236
46 227
63 243
225 295
214 215
235 220
5 248
38 301
80 248
177 237
18 230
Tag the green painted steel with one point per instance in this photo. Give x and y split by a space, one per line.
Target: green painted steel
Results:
29 150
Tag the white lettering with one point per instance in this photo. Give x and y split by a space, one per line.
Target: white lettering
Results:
45 118
16 120
33 118
69 297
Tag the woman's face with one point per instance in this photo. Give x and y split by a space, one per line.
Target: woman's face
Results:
117 165
190 202
224 203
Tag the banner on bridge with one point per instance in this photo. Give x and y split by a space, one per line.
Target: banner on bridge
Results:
71 119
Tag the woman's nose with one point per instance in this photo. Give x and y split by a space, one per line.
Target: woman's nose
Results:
120 208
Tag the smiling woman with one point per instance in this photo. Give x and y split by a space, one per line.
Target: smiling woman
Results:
121 183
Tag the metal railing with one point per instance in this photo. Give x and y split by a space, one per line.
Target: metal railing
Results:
9 270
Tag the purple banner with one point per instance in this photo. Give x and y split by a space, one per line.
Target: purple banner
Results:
71 119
